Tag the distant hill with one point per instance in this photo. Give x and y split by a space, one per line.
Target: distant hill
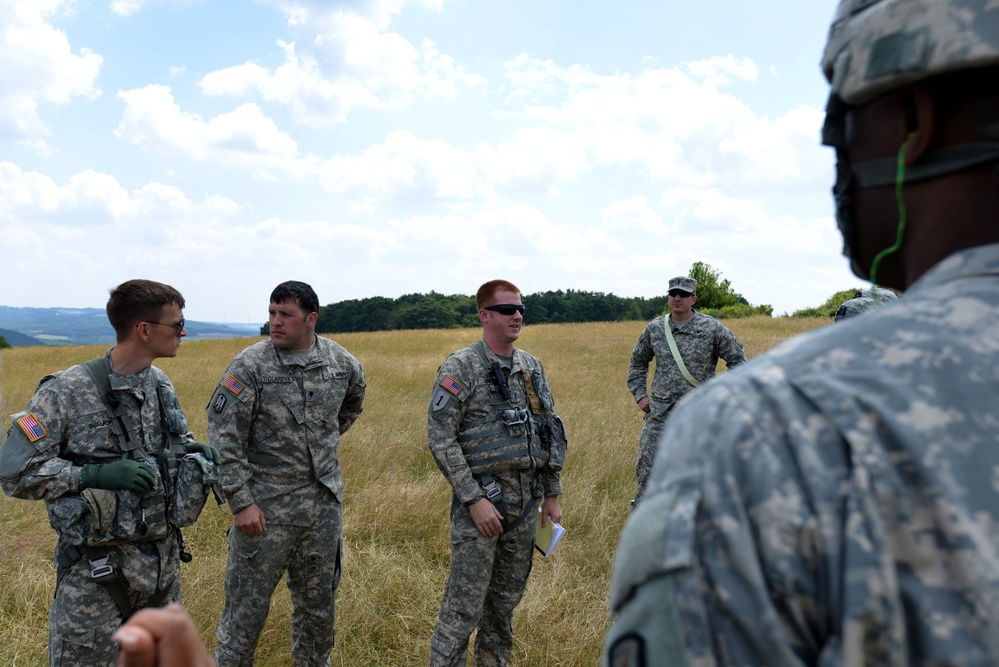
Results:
89 326
17 338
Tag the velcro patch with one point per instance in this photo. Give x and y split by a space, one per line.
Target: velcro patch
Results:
440 399
451 385
233 384
219 403
628 651
31 427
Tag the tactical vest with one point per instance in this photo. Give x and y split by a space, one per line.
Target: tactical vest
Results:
509 437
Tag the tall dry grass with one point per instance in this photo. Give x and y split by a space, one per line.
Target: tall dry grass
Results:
395 523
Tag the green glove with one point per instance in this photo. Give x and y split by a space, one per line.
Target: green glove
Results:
208 451
125 474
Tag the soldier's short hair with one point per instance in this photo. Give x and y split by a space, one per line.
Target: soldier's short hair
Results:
137 301
488 290
299 292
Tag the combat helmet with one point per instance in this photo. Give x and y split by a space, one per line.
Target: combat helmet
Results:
855 306
876 46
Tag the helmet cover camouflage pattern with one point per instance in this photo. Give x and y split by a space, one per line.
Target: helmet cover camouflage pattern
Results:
856 306
878 45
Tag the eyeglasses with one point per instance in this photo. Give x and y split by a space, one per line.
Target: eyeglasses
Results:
179 326
506 308
679 293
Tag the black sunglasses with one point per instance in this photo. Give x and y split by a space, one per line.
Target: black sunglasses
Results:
506 308
179 326
680 293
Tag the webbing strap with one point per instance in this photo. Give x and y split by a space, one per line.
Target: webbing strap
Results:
676 354
98 370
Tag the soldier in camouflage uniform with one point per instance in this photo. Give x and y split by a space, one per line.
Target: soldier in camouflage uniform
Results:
836 502
494 434
103 476
700 339
865 299
277 416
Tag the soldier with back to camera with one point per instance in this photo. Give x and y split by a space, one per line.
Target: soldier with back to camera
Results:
836 501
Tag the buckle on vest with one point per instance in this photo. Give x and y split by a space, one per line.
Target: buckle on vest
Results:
514 417
101 570
493 491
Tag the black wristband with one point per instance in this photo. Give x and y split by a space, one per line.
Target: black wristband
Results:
473 501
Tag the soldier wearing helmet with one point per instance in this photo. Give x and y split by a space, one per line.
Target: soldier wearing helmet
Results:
835 502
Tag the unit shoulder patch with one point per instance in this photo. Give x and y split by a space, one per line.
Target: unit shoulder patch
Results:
440 399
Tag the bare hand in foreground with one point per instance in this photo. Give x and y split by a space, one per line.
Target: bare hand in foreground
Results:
161 638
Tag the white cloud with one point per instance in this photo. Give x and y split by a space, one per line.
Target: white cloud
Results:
129 7
682 129
39 66
341 58
404 167
244 137
93 199
626 217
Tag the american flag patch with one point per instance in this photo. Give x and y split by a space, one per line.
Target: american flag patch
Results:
233 385
29 424
451 385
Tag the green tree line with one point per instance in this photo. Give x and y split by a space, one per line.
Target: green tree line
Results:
449 311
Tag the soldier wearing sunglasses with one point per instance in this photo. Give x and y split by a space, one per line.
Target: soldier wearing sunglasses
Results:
101 440
494 434
699 340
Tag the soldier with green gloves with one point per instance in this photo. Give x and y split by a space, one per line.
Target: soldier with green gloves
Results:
105 445
836 502
494 433
277 416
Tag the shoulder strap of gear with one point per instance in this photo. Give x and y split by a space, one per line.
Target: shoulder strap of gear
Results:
676 354
98 370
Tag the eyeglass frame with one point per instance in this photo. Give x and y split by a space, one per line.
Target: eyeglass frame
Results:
517 308
179 326
679 292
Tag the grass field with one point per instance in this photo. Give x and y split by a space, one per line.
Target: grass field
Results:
395 512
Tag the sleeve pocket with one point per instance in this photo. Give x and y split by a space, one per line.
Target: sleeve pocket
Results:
658 538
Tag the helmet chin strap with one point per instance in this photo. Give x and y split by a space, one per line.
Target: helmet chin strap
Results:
902 213
888 171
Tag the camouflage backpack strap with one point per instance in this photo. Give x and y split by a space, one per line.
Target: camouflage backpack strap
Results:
676 353
98 370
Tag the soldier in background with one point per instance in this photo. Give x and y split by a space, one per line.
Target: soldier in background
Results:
494 434
99 444
277 416
865 299
836 501
700 340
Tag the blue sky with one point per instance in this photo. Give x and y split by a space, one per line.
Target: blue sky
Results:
383 147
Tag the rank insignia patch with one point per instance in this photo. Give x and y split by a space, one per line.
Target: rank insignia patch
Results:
451 385
233 385
31 427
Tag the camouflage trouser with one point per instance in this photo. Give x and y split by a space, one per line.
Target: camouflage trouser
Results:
648 445
84 615
485 583
311 557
